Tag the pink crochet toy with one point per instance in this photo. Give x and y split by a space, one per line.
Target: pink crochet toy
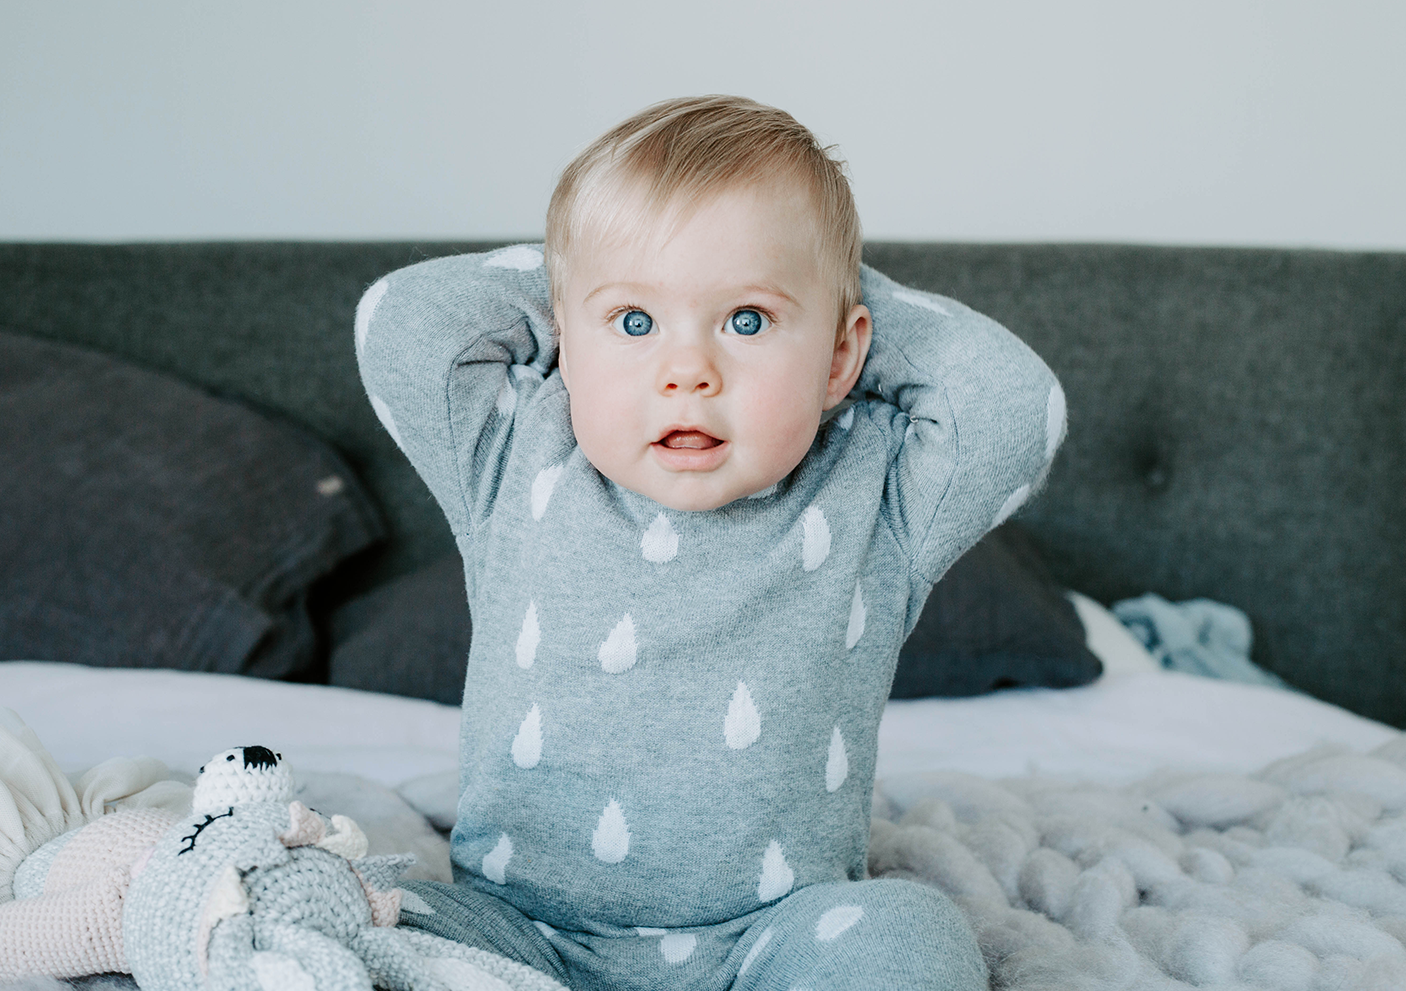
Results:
66 849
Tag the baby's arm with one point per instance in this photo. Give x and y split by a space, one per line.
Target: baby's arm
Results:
979 419
436 343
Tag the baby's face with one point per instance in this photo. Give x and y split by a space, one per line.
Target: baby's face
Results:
698 364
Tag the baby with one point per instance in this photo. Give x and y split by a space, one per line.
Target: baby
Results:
703 471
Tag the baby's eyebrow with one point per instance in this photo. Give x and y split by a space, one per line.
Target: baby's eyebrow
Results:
776 291
632 286
748 290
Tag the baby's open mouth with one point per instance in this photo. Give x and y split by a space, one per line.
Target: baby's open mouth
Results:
693 440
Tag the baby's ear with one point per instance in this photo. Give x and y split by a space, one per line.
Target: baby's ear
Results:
851 348
561 359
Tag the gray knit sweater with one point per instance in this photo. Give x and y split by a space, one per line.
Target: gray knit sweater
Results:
670 718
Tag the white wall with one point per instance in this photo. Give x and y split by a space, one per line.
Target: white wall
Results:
1200 122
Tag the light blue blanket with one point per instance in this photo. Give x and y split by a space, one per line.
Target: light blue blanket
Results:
1199 636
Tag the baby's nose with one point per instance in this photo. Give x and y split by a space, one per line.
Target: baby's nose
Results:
685 383
689 372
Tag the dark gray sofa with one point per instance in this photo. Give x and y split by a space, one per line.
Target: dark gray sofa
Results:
1237 417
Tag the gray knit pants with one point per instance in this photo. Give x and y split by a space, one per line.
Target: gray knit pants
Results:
879 935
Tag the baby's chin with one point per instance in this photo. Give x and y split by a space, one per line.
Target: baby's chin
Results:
692 499
690 492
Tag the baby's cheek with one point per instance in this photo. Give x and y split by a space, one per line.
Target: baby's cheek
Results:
588 423
789 425
606 422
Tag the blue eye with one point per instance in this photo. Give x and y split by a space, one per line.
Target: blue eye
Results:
636 323
748 322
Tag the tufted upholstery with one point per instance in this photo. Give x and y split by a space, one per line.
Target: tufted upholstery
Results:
1237 417
1237 430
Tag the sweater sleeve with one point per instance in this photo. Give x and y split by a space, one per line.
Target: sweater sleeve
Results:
977 420
448 349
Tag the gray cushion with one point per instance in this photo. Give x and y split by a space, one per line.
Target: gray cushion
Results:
410 636
996 620
149 524
269 323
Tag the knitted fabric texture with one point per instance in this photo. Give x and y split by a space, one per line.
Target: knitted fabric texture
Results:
1292 878
74 927
38 803
64 863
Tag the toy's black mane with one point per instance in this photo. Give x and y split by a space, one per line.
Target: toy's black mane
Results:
259 757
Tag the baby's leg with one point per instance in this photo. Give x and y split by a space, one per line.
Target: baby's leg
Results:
472 918
887 933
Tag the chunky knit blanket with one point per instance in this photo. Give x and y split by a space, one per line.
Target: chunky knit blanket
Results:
1289 879
1292 879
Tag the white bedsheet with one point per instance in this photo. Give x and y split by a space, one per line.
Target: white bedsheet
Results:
1122 727
85 715
1118 729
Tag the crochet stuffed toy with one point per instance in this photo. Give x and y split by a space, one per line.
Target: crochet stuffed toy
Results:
251 891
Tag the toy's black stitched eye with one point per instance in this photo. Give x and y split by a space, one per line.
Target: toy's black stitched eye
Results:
202 769
199 827
278 756
230 757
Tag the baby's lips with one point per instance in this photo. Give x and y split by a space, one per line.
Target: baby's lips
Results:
695 440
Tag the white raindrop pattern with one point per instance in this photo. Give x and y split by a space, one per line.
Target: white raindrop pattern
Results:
836 762
544 929
1055 412
611 840
857 614
618 651
1013 502
542 486
660 543
366 309
743 725
837 920
528 638
495 862
519 256
777 876
815 538
846 419
527 745
383 413
755 951
678 947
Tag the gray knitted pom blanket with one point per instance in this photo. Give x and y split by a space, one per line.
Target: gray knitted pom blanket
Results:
1289 879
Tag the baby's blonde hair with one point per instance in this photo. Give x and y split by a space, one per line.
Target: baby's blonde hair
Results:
681 152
